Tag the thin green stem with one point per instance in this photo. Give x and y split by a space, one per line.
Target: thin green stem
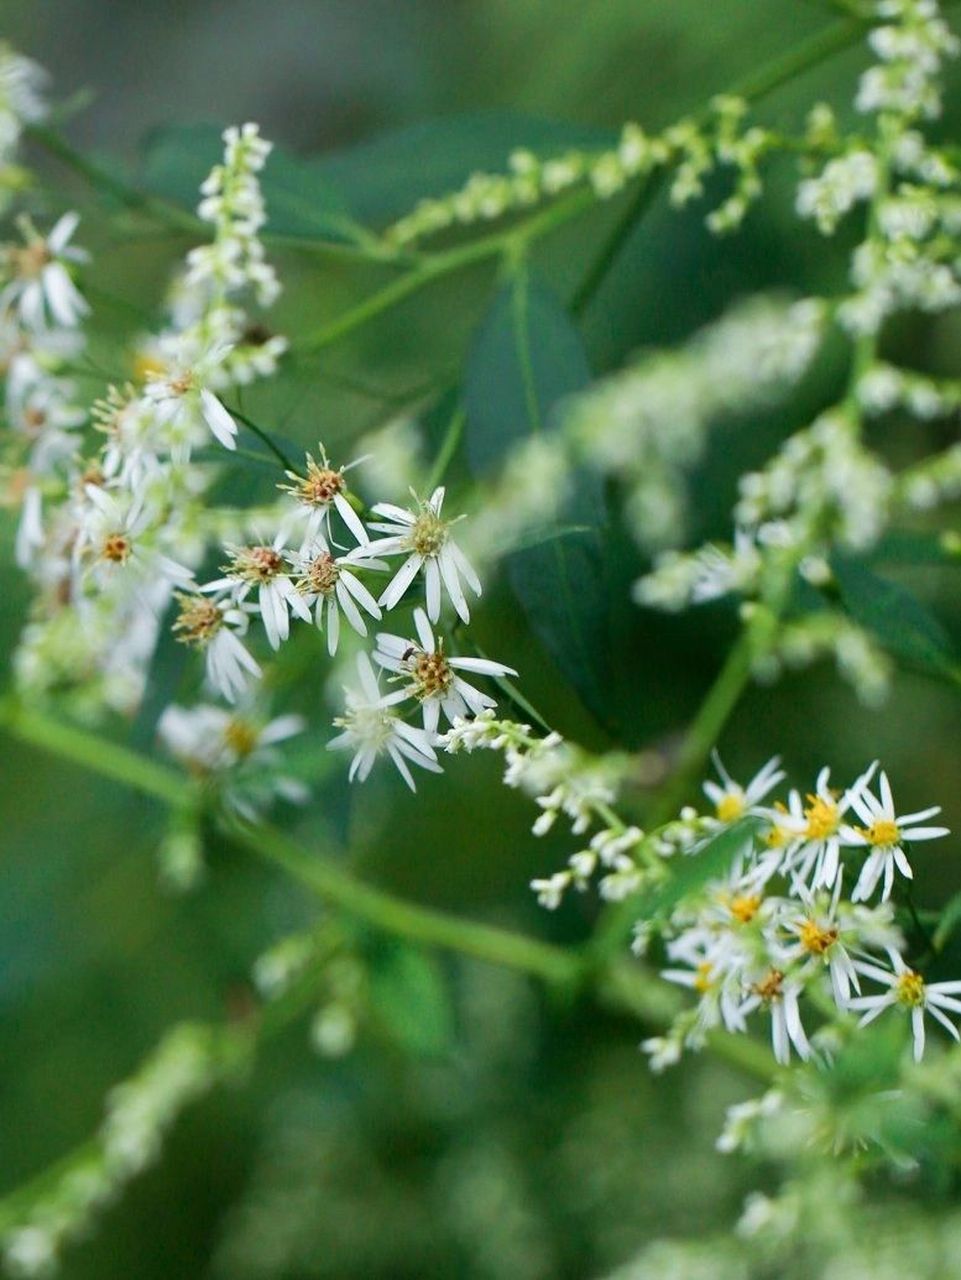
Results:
170 214
448 447
262 435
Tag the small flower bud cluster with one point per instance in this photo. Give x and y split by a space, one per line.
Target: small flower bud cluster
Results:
694 149
187 1064
204 306
487 196
911 48
562 780
802 919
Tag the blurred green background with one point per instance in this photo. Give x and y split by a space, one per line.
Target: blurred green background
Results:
532 1143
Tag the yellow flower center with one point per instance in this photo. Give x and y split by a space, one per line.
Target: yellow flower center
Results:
910 989
815 939
321 576
822 818
428 534
771 987
730 806
744 907
116 548
241 736
432 674
146 366
884 832
199 620
702 979
256 564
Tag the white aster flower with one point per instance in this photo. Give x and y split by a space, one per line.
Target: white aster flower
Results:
331 585
371 728
116 534
40 285
814 860
186 406
426 540
884 833
264 569
215 626
731 801
211 740
434 678
907 988
321 488
779 993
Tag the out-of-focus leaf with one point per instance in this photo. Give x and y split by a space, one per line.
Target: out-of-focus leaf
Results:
526 357
384 178
908 546
895 615
411 999
689 873
301 201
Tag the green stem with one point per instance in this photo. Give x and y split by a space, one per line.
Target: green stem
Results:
169 214
90 751
418 924
262 435
626 986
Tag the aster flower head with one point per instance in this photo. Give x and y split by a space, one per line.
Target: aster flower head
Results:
215 627
907 989
814 859
731 801
371 728
238 748
264 569
330 584
433 678
115 535
39 286
779 993
884 833
424 536
320 488
184 404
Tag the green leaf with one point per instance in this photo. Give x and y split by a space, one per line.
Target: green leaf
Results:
899 620
527 356
385 178
909 546
691 872
411 999
301 201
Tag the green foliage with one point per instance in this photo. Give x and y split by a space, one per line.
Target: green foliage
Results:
527 356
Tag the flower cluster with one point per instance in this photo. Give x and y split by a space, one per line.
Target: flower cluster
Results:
563 780
826 488
802 914
107 537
